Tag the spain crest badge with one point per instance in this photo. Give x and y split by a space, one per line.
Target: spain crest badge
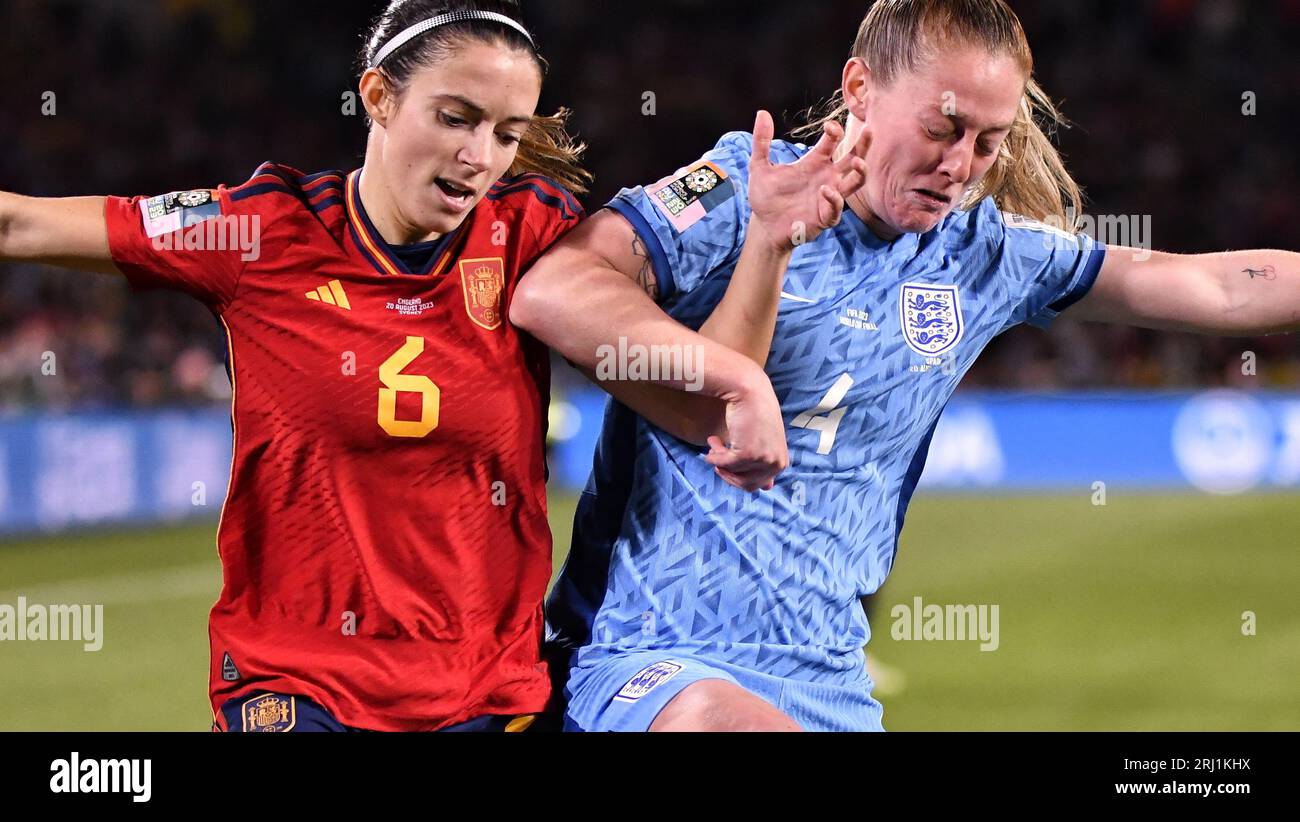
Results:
269 713
483 281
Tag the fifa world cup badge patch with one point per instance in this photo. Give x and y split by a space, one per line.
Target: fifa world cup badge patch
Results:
178 210
269 713
647 679
483 281
686 199
932 321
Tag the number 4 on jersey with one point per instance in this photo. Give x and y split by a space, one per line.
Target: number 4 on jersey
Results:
826 417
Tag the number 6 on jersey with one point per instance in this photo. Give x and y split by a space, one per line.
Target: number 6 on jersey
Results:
395 381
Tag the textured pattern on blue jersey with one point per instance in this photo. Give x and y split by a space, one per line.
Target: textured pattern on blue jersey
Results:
667 556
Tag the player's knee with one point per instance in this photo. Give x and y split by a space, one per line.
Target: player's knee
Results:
718 705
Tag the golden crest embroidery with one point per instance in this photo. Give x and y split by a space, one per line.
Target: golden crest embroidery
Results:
484 281
269 713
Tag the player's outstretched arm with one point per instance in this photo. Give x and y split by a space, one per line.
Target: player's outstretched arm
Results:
1235 293
585 298
70 232
790 204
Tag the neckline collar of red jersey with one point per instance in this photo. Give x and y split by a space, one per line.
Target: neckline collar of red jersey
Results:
377 250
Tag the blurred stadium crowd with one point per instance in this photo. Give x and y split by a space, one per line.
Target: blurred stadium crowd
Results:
160 95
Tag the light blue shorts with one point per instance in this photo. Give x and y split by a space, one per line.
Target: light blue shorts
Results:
626 691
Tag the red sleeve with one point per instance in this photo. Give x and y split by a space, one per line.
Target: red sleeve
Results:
550 212
553 222
196 242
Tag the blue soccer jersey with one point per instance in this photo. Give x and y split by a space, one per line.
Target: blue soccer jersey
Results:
871 340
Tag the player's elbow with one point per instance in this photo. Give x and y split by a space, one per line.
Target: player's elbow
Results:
1236 311
525 304
549 302
535 299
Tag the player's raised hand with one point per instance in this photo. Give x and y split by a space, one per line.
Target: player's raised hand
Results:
755 450
795 202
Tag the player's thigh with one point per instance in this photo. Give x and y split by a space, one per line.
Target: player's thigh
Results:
626 691
721 706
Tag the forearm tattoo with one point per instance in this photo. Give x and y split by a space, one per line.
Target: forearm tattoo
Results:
645 277
1268 272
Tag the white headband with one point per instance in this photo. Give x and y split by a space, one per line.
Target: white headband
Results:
442 20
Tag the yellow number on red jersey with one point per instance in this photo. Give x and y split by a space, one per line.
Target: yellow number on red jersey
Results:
395 381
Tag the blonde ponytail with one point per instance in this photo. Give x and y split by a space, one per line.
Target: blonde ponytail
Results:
1029 177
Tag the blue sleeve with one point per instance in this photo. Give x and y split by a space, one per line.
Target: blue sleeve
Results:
1048 269
693 222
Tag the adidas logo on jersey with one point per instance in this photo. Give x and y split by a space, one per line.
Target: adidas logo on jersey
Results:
332 294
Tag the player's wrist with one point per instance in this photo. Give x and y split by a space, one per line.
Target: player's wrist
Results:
775 246
738 378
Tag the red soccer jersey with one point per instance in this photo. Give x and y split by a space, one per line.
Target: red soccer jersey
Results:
384 539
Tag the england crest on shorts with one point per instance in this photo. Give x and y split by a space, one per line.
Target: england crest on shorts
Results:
932 321
647 679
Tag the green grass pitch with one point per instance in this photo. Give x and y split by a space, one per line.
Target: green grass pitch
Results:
1127 616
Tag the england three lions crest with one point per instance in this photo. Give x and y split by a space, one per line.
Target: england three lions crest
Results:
483 281
932 321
